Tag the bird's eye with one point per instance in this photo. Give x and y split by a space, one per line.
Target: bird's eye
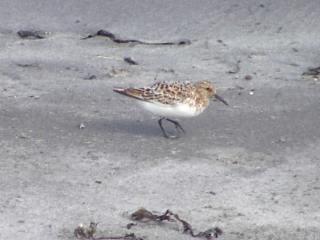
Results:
208 89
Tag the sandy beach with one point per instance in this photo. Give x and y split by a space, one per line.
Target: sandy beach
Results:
72 151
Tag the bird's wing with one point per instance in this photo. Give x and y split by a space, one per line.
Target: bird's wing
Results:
164 93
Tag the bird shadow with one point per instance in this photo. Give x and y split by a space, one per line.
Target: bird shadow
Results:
128 126
149 127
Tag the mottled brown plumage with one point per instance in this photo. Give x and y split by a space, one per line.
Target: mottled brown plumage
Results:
173 99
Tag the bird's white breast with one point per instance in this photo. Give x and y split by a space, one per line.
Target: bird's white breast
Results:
176 111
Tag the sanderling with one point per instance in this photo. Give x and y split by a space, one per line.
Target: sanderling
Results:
173 100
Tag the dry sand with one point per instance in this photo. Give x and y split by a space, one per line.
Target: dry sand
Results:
251 169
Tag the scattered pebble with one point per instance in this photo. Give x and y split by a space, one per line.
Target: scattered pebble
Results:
248 77
130 61
34 96
82 126
23 135
281 140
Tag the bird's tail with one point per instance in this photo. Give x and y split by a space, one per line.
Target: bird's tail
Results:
129 92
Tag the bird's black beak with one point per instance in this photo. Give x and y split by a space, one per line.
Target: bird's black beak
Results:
220 99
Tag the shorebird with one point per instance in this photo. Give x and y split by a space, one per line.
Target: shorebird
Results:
173 100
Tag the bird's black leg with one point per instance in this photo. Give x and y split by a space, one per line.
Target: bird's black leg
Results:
164 132
176 124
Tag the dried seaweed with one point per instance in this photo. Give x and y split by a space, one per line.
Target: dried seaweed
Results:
142 213
312 71
35 65
86 233
32 34
115 39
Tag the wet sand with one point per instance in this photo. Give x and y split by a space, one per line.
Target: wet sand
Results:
252 168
